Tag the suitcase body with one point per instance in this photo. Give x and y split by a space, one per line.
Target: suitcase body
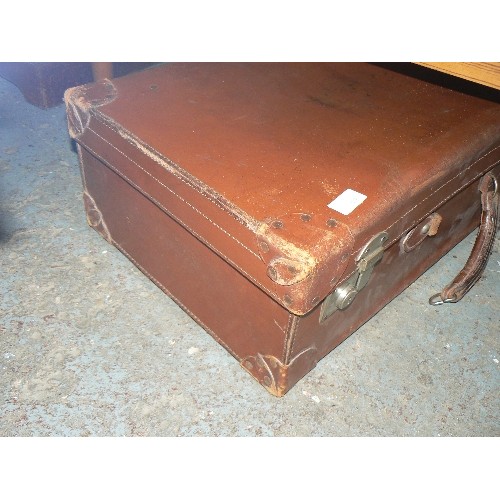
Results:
283 205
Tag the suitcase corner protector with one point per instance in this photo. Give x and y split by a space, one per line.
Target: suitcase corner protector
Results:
278 377
80 101
94 217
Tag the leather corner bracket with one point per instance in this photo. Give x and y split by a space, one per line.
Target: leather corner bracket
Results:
80 101
282 244
276 376
94 217
287 263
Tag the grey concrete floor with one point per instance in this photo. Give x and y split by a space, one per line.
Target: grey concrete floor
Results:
90 347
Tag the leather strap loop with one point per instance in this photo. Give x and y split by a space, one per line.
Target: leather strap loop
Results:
478 258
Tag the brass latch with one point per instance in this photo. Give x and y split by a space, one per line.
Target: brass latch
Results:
345 293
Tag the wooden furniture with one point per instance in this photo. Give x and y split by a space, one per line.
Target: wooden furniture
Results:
485 73
43 83
102 70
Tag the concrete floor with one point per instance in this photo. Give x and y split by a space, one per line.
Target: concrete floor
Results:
90 347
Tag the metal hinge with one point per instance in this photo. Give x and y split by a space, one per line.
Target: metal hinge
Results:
345 293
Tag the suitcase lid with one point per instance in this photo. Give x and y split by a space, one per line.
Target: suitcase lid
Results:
288 170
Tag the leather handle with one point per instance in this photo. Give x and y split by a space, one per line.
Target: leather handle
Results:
478 258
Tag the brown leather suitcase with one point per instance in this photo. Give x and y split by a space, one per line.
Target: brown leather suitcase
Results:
283 205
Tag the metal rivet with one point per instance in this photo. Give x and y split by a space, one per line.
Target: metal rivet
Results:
153 87
425 229
344 295
264 246
288 300
331 222
248 365
277 224
305 217
271 272
272 362
267 381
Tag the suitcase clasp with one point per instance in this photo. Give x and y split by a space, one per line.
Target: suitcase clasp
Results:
343 296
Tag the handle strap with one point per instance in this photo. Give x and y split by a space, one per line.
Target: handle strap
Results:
478 258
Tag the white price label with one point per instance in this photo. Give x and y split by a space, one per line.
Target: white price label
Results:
346 202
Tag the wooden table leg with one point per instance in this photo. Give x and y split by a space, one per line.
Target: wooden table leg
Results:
102 70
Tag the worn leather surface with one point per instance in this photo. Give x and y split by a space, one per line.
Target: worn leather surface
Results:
396 271
239 153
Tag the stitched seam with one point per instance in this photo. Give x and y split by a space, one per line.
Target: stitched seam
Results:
293 330
104 122
82 172
169 212
251 278
173 192
287 336
442 201
155 158
177 301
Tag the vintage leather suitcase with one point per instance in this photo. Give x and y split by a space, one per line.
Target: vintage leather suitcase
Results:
283 205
